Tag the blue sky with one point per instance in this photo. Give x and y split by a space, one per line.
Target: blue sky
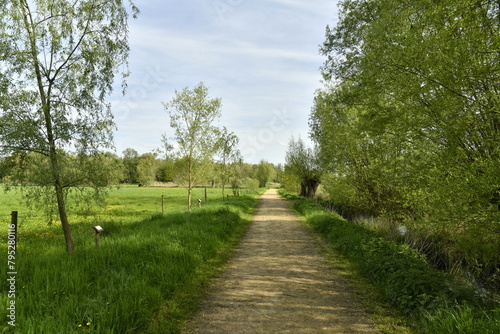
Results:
260 57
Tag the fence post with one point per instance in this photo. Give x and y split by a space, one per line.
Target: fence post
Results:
14 226
205 194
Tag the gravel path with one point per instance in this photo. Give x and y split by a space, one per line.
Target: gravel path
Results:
278 282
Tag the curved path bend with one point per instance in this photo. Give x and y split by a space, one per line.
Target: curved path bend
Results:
278 282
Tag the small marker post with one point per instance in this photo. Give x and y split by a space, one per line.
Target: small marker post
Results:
98 229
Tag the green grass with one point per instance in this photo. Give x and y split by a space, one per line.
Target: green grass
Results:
429 299
146 277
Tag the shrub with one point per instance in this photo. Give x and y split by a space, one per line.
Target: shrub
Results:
401 273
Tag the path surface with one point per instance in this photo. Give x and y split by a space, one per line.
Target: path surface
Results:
279 283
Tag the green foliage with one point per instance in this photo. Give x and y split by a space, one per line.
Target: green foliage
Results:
85 180
289 195
406 279
166 171
60 72
264 172
147 262
130 161
302 162
229 160
290 181
147 169
462 319
250 184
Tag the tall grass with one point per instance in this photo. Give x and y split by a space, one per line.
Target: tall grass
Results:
462 319
136 279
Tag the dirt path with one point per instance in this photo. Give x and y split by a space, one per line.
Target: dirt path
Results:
279 283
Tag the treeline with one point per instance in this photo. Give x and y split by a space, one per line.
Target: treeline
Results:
109 169
149 168
407 125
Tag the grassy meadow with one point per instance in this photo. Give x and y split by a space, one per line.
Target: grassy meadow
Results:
146 277
431 301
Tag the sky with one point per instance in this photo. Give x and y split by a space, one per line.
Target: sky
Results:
260 57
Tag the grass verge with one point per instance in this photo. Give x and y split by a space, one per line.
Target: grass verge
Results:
429 299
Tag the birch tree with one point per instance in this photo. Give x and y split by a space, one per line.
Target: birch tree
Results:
192 114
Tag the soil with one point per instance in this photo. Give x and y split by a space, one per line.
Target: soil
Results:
278 282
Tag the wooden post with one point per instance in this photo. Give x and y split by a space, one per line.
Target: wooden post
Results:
13 229
205 194
162 204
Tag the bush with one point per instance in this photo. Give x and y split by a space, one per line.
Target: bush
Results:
250 184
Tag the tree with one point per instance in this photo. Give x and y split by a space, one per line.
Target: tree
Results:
409 116
166 171
236 176
303 163
108 167
58 63
130 162
229 158
264 173
147 169
192 113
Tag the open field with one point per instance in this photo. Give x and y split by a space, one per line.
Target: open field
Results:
147 274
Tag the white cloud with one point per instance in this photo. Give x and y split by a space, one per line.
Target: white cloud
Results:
259 57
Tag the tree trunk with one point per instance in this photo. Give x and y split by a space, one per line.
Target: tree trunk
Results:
190 182
312 186
58 187
308 188
303 189
70 246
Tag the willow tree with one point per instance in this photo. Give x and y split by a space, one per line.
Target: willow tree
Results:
414 114
192 113
302 162
58 61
